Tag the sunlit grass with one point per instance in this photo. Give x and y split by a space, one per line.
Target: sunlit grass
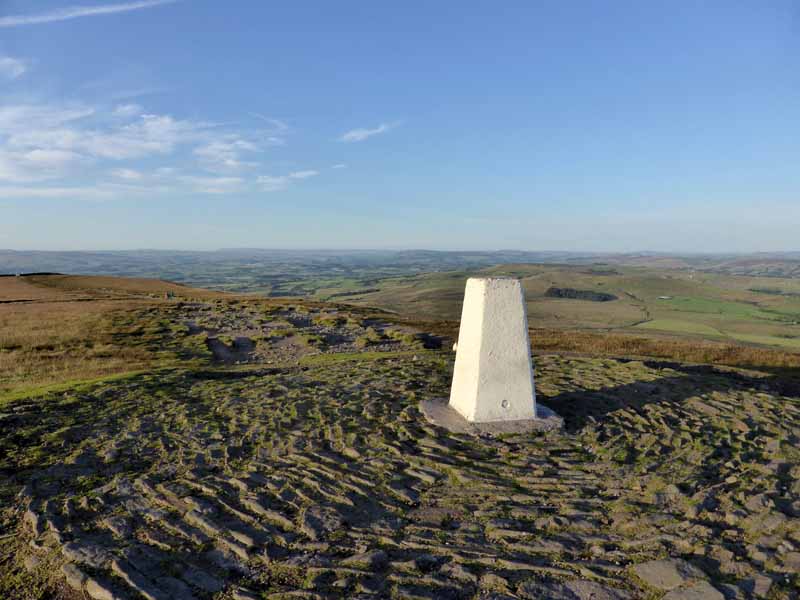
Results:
49 342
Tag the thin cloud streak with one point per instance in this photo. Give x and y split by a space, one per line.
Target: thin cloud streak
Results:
92 193
279 125
127 174
361 134
76 12
11 68
277 183
213 185
278 128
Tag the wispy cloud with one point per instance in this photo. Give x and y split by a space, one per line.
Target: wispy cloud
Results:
47 142
339 166
79 192
45 127
359 135
278 125
102 190
276 183
76 12
127 174
52 149
275 134
128 110
36 165
11 68
303 174
213 185
225 155
16 118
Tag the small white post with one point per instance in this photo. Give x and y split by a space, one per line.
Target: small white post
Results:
493 377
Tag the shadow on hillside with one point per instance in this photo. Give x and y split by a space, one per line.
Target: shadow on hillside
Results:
582 406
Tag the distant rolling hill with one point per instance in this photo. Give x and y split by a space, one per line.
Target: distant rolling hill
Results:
290 271
640 300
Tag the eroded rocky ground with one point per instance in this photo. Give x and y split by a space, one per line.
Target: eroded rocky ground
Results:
297 464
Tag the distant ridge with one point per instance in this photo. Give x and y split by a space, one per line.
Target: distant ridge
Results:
198 267
27 274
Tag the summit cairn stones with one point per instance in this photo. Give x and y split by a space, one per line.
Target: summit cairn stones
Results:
493 388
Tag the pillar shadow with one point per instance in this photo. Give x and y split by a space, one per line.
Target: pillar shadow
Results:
580 407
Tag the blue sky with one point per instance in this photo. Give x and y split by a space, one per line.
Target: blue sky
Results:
609 125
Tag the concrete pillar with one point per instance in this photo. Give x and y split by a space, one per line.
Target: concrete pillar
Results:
493 377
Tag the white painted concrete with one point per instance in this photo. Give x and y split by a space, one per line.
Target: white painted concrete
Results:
493 377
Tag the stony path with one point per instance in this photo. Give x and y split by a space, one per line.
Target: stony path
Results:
326 482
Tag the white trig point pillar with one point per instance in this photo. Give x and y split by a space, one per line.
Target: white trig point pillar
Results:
493 377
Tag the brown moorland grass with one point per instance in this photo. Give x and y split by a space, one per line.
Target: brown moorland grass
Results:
678 349
623 345
120 285
82 328
42 343
59 328
17 289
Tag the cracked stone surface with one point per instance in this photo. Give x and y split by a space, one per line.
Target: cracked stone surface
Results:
323 480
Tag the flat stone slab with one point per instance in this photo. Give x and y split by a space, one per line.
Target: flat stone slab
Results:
439 412
668 573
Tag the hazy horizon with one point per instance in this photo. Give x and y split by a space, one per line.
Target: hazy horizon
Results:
344 250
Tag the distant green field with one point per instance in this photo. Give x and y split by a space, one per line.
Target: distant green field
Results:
650 300
737 310
679 326
768 340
